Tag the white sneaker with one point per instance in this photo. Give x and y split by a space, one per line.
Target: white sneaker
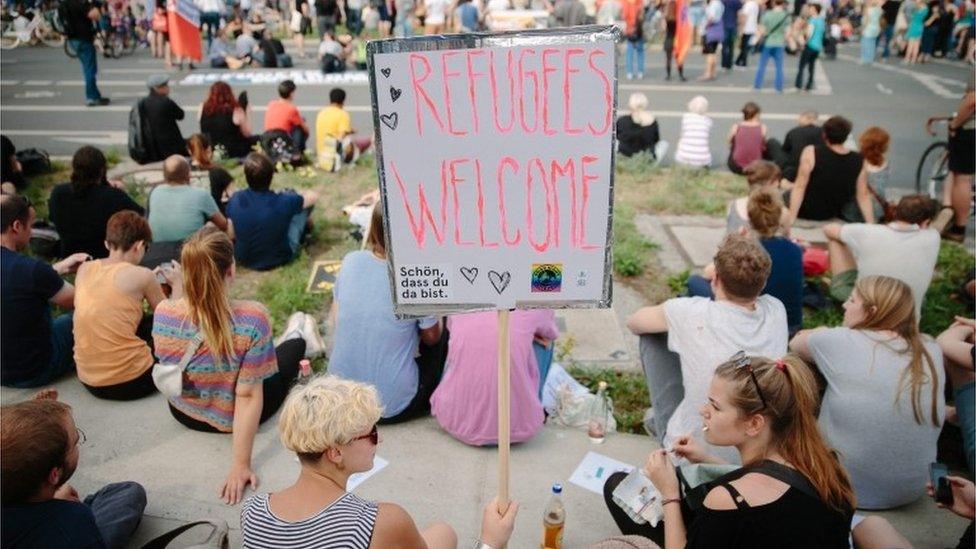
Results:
314 343
630 76
293 329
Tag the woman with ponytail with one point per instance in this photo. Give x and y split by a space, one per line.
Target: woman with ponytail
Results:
236 379
790 492
884 401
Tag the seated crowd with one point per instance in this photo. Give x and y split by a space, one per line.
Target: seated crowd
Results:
822 424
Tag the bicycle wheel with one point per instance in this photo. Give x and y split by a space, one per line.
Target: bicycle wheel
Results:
69 50
933 169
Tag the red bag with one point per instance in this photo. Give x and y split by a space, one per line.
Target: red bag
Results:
815 261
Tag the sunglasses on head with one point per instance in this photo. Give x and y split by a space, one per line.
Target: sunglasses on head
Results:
373 435
740 360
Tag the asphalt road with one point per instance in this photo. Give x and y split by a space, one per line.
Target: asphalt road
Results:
42 98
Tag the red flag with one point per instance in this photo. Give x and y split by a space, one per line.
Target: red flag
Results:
683 31
184 29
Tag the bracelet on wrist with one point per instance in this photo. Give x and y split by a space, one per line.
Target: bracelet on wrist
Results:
670 500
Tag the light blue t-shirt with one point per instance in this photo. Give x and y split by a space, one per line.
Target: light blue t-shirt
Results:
177 211
371 345
817 28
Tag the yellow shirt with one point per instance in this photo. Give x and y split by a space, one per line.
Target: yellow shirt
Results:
107 349
332 121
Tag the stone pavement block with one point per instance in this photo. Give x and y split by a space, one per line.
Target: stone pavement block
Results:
598 337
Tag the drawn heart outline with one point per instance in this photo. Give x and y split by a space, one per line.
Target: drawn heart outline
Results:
499 280
395 93
470 273
386 72
390 120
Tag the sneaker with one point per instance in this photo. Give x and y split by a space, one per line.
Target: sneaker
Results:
100 102
630 76
314 344
293 329
640 76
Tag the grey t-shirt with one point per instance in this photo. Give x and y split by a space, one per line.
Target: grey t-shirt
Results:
905 252
371 345
869 422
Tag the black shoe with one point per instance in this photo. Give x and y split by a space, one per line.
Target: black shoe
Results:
99 102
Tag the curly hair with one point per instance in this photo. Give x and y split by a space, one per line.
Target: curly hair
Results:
220 100
874 144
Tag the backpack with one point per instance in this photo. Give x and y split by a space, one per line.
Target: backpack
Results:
138 148
34 161
279 147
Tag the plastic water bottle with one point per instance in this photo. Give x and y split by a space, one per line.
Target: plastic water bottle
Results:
554 520
600 410
304 368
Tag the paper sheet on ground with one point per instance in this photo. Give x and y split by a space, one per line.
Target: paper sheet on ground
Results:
593 471
359 478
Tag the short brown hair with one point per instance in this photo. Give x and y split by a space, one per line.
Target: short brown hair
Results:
765 209
258 170
750 110
761 172
743 266
33 441
125 228
916 208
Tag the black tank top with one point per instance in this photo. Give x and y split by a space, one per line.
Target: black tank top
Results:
221 130
833 183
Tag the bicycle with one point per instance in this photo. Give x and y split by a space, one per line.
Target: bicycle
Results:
34 31
933 167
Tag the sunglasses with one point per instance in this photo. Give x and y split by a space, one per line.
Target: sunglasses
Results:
740 360
373 435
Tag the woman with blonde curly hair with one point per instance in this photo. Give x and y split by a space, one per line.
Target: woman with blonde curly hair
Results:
331 424
884 402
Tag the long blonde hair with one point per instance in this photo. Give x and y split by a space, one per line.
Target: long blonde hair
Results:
791 401
207 256
889 305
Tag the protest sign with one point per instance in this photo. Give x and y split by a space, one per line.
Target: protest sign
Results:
495 155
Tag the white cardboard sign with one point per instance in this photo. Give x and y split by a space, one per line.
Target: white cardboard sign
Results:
495 159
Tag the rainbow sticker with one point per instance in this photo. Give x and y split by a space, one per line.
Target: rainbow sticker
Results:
547 277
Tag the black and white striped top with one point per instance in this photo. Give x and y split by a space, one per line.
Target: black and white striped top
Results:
346 523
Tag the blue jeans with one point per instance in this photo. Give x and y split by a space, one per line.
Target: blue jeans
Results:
889 33
635 57
118 510
62 354
298 139
662 371
728 47
543 357
868 45
966 410
211 20
699 286
405 26
296 229
776 52
89 67
354 20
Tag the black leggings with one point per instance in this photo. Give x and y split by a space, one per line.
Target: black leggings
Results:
430 368
626 524
136 388
275 388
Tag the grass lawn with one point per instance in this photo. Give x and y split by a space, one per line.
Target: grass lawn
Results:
639 188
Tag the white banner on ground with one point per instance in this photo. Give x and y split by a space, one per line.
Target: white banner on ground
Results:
495 158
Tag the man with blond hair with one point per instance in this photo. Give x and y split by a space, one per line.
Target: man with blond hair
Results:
39 450
684 339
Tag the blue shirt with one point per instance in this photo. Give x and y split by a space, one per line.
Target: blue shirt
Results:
469 16
371 345
52 523
818 27
785 281
261 220
26 285
730 17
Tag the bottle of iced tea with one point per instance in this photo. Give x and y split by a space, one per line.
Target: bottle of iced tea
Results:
599 413
554 520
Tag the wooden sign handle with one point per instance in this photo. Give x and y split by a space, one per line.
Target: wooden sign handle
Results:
504 410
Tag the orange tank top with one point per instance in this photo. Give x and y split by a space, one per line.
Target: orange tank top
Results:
107 349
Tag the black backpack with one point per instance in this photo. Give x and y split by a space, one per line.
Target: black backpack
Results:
138 148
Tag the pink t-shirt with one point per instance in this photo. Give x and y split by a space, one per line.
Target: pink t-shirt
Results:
465 402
